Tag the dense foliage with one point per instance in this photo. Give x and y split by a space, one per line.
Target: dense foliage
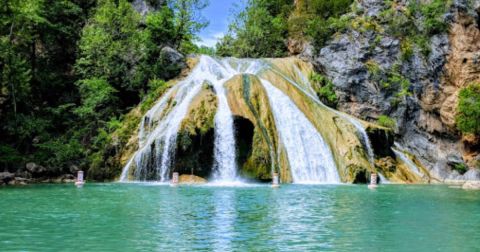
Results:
263 28
259 30
70 69
318 20
468 117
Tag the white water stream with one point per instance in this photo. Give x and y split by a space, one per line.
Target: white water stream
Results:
310 158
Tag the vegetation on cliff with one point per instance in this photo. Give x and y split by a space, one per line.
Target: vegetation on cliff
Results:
468 117
263 27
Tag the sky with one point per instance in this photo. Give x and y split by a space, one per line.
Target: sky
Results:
218 13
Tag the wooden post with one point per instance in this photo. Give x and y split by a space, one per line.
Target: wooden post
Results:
174 179
373 181
275 180
79 182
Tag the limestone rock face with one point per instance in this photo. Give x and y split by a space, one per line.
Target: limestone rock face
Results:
145 6
426 119
462 66
471 185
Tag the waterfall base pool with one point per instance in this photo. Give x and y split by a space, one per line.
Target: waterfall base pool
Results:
125 217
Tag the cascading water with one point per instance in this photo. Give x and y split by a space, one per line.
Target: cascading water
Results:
164 134
414 168
310 158
311 94
225 166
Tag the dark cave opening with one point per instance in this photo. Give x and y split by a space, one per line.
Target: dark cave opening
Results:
194 153
244 130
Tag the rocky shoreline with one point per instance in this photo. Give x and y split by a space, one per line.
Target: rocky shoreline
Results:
35 174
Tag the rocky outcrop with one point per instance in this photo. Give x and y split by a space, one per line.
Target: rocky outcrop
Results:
471 185
6 177
174 60
425 117
146 6
191 179
35 169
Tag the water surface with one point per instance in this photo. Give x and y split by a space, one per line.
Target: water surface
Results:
151 217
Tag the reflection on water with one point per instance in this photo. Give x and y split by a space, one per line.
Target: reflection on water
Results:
240 218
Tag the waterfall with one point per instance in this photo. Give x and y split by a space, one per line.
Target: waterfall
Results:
310 158
382 179
410 165
225 166
158 138
311 94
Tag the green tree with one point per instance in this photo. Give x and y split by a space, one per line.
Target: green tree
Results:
468 117
188 22
37 49
260 30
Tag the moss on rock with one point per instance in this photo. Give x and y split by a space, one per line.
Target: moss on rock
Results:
194 152
248 99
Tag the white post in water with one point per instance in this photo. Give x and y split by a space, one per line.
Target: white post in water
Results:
79 182
174 179
275 180
373 181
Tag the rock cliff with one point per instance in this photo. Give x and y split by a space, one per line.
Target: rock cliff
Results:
378 73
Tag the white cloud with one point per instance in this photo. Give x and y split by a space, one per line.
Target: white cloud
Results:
210 40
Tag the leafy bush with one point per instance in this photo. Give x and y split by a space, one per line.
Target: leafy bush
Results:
9 155
373 67
403 24
324 18
461 168
468 117
386 121
406 48
157 88
433 13
396 81
325 89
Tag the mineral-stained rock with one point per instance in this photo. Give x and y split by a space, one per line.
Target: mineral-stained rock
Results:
471 185
194 152
191 179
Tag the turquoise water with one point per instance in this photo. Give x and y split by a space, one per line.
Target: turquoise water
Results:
125 217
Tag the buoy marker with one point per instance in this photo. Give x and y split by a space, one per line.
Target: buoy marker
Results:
373 181
275 180
174 181
79 182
